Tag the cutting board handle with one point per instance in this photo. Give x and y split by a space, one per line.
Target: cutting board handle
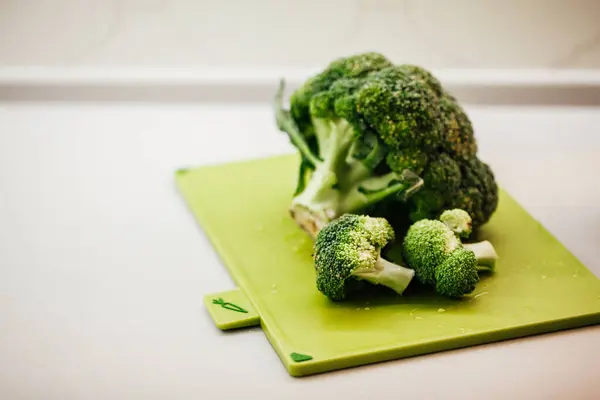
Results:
231 310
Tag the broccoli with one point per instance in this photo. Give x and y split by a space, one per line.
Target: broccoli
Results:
348 249
439 258
458 221
456 276
374 136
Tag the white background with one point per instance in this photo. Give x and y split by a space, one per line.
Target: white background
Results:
437 34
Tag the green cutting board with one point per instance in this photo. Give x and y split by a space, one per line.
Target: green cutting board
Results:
242 207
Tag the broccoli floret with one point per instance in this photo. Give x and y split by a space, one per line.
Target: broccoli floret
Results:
349 249
369 133
458 221
440 259
457 275
426 245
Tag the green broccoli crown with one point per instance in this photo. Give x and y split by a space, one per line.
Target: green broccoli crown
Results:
347 245
371 132
458 221
426 245
457 275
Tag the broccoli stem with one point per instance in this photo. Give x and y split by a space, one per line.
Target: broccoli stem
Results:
285 122
386 273
338 186
373 190
485 253
325 198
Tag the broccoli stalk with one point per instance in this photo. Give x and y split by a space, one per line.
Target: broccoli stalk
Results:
340 183
386 273
349 248
485 253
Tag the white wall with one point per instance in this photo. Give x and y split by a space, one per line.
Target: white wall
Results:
461 33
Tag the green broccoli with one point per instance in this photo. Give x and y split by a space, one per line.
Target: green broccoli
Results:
440 259
427 244
456 276
458 221
348 249
371 133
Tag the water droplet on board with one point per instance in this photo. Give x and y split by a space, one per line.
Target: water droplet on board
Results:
544 277
418 317
480 294
462 330
575 275
358 309
367 308
441 310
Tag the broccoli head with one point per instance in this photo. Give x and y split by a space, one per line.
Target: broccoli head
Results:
349 249
371 133
426 245
439 258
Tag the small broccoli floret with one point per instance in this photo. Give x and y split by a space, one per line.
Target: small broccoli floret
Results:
349 248
426 245
459 221
433 249
457 275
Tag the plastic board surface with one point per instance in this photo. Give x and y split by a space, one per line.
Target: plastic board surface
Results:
539 286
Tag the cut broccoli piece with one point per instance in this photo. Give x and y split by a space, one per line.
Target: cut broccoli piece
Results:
369 133
440 259
349 248
426 245
458 221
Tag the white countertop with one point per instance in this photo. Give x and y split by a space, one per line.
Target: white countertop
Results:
102 269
